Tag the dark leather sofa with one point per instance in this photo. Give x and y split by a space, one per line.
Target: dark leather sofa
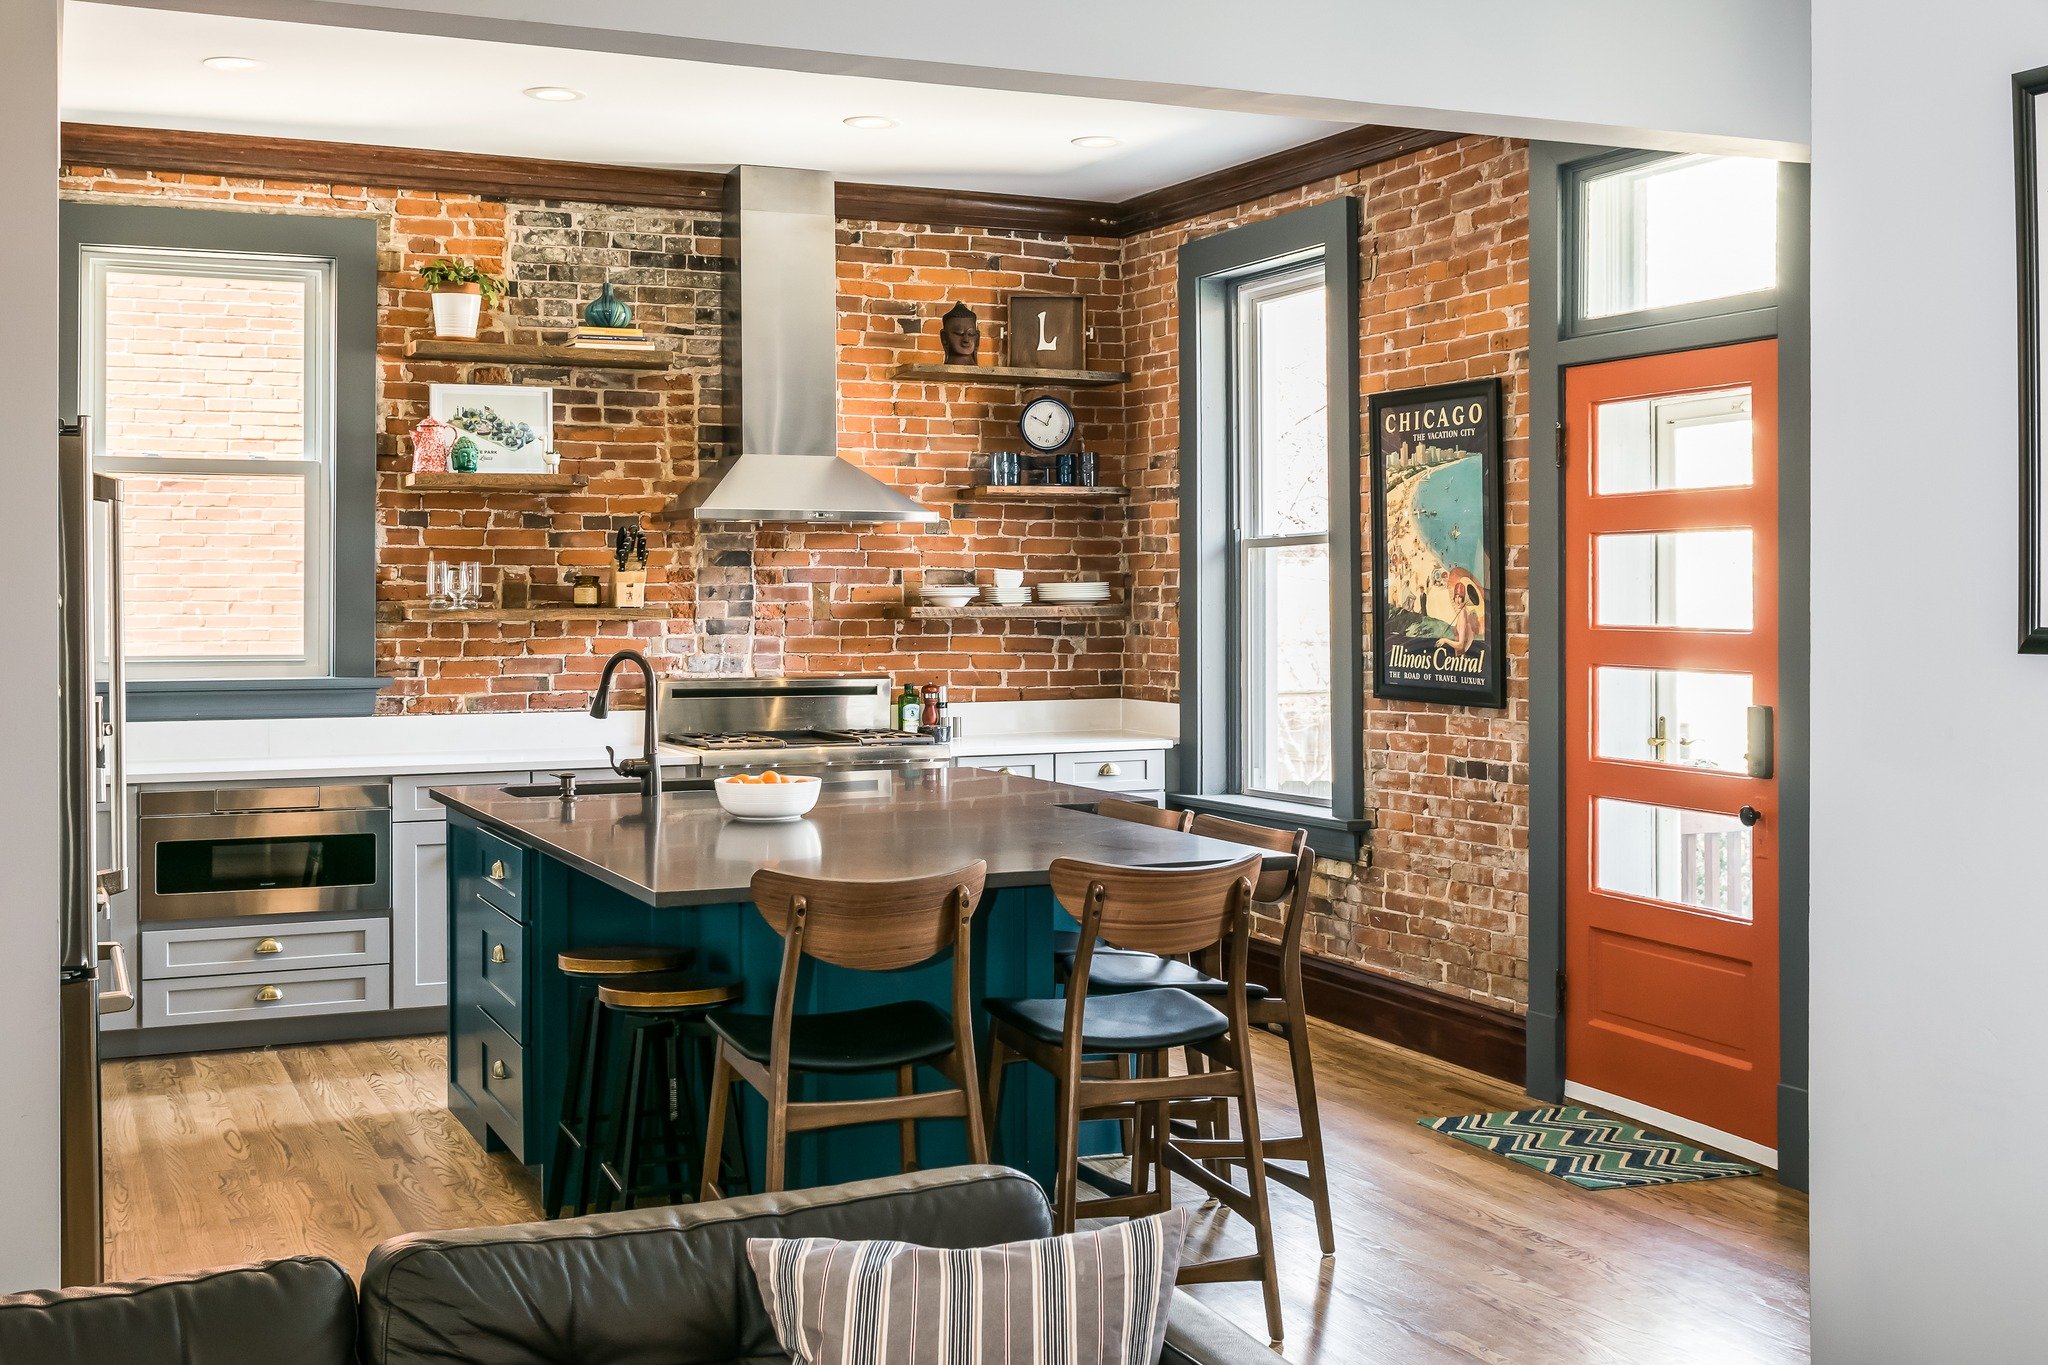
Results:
666 1286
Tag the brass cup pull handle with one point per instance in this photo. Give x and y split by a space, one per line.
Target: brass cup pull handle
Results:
497 872
498 953
1006 771
500 1071
268 946
269 995
1109 770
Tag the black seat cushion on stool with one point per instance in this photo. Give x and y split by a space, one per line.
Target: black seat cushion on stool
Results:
878 1038
1142 1021
1113 970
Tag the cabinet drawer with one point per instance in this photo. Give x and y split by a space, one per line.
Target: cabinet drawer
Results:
1130 770
264 946
264 995
501 867
1039 766
491 1066
410 801
498 946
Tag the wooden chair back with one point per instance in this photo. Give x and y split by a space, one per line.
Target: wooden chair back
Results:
1275 885
1169 911
1143 813
870 926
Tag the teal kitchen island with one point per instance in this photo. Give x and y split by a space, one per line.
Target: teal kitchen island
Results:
531 874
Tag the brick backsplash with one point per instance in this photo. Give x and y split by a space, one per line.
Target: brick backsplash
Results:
1443 900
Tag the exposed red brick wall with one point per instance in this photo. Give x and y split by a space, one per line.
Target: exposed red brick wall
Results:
1445 252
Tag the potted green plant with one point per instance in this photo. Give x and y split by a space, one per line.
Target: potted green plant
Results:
460 291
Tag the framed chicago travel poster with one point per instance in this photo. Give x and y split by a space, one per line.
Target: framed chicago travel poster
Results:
1439 628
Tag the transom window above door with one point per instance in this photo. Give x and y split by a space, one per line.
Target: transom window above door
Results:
1660 234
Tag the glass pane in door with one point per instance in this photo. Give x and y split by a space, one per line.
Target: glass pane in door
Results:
1668 715
1692 580
1694 440
1693 858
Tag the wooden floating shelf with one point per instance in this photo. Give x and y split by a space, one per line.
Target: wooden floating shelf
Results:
535 353
1047 492
1029 611
493 483
1012 375
421 611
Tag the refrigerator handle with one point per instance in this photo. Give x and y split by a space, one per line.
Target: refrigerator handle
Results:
115 878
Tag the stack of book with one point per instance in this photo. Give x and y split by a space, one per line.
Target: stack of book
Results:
612 339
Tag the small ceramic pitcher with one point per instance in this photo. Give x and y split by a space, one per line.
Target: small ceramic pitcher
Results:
432 439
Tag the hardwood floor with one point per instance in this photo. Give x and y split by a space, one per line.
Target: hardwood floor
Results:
1444 1253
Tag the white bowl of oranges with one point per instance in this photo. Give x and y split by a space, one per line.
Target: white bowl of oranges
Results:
767 796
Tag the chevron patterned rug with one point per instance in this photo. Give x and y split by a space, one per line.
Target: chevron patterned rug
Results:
1590 1150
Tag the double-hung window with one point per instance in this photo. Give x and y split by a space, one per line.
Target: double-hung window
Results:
209 381
1281 532
1272 610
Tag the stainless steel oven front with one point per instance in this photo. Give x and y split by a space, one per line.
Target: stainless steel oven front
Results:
234 851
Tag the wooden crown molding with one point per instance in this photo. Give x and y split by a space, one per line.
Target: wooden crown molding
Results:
352 163
1489 1041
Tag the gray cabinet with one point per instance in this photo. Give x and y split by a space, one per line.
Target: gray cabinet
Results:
419 914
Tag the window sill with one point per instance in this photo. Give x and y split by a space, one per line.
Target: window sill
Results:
1330 836
251 698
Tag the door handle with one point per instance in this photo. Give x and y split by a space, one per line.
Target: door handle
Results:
1750 817
498 953
269 946
497 872
122 996
269 995
500 1071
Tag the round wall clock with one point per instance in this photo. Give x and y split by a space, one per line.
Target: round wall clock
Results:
1047 423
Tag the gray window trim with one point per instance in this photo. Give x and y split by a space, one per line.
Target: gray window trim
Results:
1552 350
351 243
1208 266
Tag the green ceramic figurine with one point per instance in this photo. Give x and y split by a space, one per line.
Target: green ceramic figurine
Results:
462 458
607 310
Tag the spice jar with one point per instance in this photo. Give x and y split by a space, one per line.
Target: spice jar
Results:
586 591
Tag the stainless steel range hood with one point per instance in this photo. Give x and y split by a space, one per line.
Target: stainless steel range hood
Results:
782 361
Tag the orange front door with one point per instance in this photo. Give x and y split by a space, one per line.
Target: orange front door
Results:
1671 646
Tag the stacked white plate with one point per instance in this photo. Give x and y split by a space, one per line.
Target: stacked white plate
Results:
1074 594
947 594
1005 597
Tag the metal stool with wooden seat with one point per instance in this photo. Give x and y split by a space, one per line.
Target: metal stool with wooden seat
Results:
654 1107
876 926
1169 912
576 1129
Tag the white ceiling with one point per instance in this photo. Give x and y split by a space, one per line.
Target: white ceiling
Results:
141 67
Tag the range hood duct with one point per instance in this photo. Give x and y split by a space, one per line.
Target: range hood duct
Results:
782 361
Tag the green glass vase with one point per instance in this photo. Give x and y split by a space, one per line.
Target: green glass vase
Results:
607 310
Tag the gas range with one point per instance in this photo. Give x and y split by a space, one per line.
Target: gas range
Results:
799 724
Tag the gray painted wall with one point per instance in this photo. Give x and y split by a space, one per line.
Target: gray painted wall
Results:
29 33
1930 734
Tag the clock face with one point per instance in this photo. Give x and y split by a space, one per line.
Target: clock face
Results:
1047 423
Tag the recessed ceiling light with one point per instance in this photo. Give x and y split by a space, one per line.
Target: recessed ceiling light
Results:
553 94
869 121
1094 140
232 64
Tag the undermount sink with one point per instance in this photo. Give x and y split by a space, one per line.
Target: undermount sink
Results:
608 786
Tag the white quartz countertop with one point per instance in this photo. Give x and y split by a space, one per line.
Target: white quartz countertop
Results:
367 746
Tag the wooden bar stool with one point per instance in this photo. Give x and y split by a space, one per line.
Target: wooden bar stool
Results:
575 1130
1137 813
1168 912
658 1093
866 926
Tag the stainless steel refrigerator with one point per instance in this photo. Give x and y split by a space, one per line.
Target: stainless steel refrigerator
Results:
96 830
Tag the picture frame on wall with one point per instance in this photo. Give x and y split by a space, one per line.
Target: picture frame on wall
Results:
513 425
1047 332
1439 624
2030 158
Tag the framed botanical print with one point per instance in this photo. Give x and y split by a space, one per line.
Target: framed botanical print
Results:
1439 625
1048 332
2030 102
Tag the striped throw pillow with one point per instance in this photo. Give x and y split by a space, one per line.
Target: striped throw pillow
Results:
1090 1298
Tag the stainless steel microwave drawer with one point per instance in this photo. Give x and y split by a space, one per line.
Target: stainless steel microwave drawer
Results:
270 946
265 995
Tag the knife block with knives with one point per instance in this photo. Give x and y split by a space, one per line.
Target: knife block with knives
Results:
628 585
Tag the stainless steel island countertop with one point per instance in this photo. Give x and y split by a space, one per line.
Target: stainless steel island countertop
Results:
896 825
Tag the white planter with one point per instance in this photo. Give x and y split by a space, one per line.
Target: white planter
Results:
456 314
